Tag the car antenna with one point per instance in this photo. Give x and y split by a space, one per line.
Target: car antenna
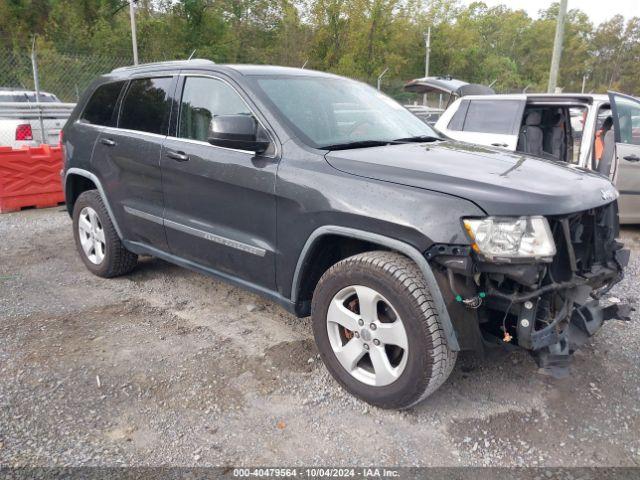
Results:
192 53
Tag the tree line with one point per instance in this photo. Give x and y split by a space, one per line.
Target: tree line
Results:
355 38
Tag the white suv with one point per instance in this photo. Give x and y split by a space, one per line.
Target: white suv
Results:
597 132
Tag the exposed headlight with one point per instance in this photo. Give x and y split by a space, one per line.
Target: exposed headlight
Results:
504 239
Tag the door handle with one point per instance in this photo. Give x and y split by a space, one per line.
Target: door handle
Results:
108 142
178 156
632 158
499 144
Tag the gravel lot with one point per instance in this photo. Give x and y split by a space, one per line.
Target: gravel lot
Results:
168 367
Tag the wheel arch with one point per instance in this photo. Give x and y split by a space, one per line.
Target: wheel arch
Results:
304 275
77 181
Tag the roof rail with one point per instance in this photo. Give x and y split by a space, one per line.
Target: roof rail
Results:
196 62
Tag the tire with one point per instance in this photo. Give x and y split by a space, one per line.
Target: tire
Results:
97 241
400 292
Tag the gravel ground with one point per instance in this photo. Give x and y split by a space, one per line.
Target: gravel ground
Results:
168 367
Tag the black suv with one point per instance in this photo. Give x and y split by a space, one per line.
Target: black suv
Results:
331 199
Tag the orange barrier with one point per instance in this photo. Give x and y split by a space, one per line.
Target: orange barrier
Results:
30 177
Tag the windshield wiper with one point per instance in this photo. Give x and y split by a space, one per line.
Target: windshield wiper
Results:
359 144
418 138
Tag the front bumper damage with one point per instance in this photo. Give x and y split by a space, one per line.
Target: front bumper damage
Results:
554 322
550 309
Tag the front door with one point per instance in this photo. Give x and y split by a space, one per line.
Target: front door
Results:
220 207
626 122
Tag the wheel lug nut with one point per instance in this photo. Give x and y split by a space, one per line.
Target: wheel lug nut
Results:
361 322
357 334
373 326
366 346
376 341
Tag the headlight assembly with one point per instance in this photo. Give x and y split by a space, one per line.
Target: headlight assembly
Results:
505 239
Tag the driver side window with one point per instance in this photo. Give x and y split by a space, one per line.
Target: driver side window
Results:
202 99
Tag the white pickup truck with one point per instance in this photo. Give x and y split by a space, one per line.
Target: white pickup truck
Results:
25 121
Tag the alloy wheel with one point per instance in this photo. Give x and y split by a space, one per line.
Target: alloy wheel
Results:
91 235
367 335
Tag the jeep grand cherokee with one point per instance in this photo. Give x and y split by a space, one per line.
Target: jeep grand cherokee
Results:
329 198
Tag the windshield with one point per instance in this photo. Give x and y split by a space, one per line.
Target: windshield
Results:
325 111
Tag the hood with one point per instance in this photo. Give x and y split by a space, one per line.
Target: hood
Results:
499 182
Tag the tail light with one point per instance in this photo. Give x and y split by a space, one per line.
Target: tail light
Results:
23 132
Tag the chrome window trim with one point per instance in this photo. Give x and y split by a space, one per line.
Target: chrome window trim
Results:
128 130
117 130
200 142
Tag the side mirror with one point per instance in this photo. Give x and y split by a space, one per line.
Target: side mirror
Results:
236 131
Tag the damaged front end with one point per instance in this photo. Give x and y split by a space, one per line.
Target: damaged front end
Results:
544 293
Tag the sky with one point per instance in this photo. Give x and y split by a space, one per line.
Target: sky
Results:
598 10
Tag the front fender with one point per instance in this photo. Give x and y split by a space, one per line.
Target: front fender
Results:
393 244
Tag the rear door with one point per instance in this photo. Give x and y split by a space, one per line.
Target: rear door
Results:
127 159
100 111
491 122
626 123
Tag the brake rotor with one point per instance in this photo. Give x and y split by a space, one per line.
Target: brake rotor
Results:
352 306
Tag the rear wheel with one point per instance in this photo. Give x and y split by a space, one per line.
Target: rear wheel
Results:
97 240
378 331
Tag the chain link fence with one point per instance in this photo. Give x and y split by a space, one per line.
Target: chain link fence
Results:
64 76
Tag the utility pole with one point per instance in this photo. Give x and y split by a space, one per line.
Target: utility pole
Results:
134 39
380 77
557 48
427 46
36 87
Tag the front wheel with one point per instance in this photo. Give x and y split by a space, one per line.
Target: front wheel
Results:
378 332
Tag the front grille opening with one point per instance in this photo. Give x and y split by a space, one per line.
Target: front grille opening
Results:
592 234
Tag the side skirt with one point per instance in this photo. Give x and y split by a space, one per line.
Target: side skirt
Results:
143 249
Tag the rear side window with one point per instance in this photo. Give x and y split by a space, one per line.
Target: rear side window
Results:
100 109
146 105
457 121
490 116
